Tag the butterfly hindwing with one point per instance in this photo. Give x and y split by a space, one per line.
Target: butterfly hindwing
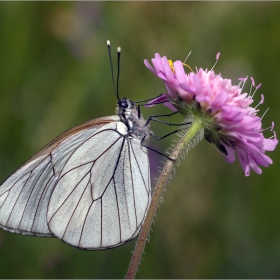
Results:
100 201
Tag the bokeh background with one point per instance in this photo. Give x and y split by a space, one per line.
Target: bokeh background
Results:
55 73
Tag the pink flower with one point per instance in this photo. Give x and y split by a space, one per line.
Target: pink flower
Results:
229 120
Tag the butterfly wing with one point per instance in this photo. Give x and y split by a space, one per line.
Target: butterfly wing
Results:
89 187
103 193
24 196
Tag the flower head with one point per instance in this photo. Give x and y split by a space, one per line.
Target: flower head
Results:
229 120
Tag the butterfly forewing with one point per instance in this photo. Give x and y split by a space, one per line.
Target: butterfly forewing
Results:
23 205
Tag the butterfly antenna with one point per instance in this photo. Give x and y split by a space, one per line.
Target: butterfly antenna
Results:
118 75
112 69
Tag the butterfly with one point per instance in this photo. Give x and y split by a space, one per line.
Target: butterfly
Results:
89 187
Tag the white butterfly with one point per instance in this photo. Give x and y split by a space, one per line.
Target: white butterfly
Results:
89 187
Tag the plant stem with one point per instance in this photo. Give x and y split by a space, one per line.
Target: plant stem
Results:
193 135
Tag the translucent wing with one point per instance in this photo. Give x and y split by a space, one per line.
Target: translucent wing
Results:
103 193
89 187
25 195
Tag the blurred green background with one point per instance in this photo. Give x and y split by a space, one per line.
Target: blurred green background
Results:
55 73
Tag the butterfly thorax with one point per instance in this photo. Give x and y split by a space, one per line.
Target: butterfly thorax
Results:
132 118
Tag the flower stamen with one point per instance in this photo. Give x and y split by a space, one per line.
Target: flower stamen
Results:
217 58
187 57
270 127
264 113
261 102
274 136
242 82
256 88
252 85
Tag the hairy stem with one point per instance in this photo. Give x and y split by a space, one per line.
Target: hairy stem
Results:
193 135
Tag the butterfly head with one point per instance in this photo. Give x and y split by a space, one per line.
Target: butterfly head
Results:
125 107
124 104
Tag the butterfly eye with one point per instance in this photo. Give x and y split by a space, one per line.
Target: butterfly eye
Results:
123 103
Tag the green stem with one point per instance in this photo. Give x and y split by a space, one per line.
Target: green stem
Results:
193 135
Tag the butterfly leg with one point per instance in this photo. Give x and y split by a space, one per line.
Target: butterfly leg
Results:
155 103
154 150
153 118
146 100
159 138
